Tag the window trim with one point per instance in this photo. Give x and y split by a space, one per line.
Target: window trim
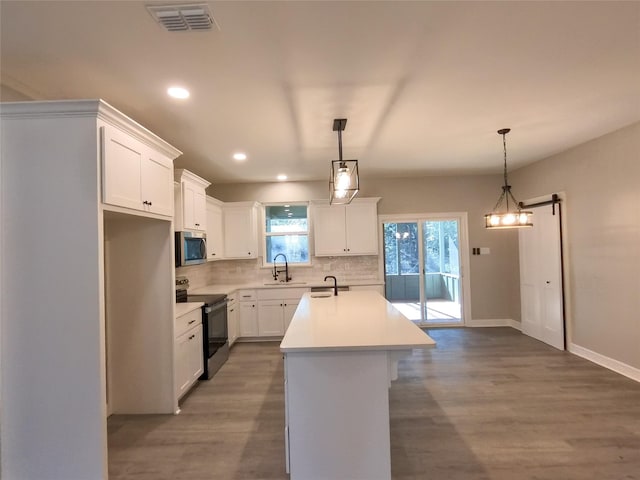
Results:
267 263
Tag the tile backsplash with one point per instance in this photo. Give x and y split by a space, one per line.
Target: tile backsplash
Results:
249 271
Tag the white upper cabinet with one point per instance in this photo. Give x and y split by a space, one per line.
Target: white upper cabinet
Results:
190 201
346 229
157 183
134 175
215 236
240 230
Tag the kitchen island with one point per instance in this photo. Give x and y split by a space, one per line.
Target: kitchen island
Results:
341 354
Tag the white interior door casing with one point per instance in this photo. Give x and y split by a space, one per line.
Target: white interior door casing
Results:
541 278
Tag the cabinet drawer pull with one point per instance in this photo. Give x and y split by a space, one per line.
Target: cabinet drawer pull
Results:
231 310
192 321
192 337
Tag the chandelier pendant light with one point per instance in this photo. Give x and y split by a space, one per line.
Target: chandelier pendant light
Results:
344 181
512 216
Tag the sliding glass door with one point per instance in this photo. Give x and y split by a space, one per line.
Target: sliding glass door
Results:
422 268
441 272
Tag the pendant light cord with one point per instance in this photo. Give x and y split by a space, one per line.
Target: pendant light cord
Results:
507 189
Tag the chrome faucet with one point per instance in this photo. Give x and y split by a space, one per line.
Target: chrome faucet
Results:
335 284
286 268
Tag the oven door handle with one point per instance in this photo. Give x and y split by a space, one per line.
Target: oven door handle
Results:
218 306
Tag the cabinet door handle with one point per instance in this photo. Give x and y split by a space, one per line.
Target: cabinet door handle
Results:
150 203
231 310
192 321
192 337
197 224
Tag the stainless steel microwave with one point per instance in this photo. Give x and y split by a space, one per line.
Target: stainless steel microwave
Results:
191 248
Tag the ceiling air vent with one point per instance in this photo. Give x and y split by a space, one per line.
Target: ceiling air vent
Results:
179 18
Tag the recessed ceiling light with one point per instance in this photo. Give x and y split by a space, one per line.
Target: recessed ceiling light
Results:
239 156
282 177
178 92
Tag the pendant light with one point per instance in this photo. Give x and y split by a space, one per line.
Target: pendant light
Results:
344 182
512 216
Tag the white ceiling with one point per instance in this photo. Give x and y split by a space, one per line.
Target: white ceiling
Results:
424 85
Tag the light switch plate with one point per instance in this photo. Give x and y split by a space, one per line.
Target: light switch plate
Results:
485 251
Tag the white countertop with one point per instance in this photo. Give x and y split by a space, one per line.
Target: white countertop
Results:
227 288
184 308
358 320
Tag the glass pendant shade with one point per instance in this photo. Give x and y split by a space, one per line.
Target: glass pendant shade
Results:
344 182
512 216
514 219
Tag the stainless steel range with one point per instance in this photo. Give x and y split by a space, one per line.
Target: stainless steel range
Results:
215 337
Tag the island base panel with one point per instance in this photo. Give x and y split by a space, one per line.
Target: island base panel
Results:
338 415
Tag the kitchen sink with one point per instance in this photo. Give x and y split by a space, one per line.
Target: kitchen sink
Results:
321 295
284 284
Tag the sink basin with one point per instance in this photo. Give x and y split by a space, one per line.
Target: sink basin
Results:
284 284
321 295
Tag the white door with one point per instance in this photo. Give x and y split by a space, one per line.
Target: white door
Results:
541 278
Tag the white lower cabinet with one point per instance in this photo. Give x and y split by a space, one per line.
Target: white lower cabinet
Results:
233 315
276 308
290 307
189 362
248 313
270 318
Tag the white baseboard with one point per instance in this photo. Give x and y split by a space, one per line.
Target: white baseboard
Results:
619 367
494 322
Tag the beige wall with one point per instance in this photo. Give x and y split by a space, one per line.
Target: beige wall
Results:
494 278
601 179
8 94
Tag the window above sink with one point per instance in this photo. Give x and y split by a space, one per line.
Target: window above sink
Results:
286 230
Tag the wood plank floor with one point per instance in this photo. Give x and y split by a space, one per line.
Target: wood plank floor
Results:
486 403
